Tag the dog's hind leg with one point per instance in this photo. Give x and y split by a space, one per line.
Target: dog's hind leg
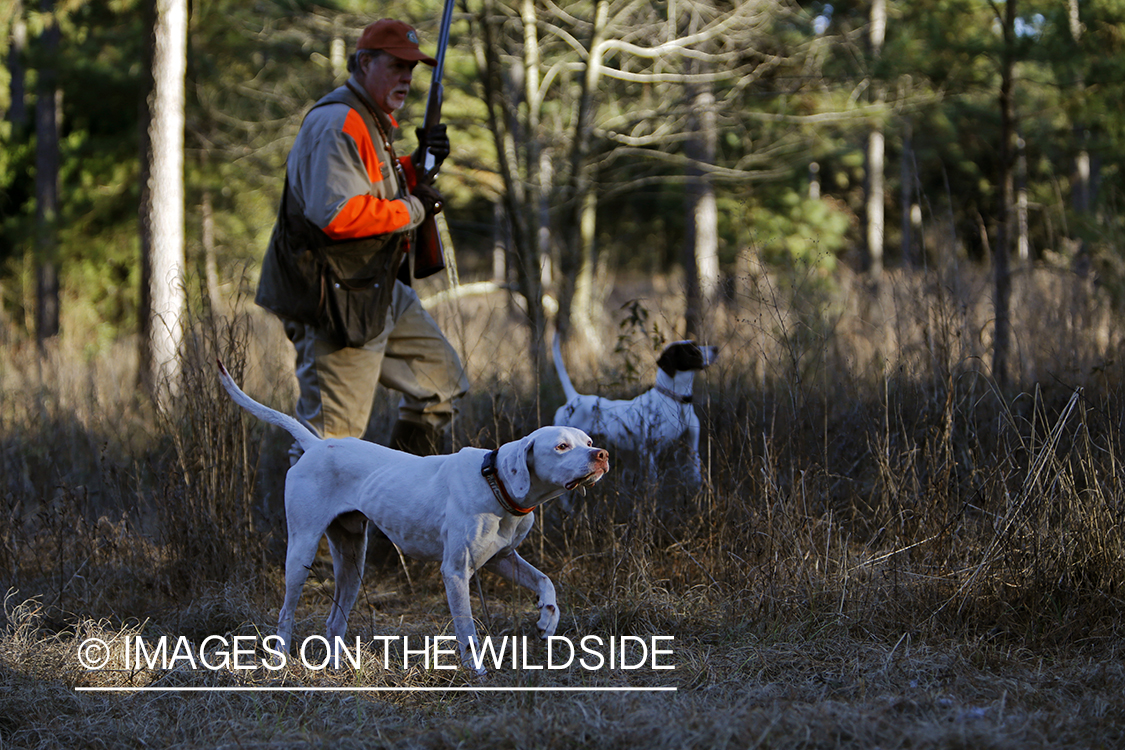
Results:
298 557
519 571
347 541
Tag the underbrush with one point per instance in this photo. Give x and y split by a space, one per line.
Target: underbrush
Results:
883 530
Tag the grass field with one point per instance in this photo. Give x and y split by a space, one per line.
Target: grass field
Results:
889 552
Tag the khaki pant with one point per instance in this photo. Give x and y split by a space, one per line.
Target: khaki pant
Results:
410 356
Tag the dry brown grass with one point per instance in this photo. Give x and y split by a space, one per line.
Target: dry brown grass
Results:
889 552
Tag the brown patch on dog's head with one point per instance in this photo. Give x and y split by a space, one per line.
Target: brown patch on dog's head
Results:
684 356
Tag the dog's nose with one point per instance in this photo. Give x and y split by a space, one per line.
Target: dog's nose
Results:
603 455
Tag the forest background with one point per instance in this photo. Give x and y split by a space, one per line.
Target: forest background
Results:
708 137
900 222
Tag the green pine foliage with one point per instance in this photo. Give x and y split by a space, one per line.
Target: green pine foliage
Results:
800 95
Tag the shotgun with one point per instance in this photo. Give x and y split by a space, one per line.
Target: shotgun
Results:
429 256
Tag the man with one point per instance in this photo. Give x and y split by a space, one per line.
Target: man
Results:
344 226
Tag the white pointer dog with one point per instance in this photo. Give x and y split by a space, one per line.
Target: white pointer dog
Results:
652 421
470 510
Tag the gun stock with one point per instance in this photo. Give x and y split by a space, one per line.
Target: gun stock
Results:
429 255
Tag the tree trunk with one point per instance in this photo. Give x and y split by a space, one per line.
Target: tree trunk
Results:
702 235
47 185
876 226
1081 184
17 48
531 94
1023 242
906 193
582 304
579 262
210 261
532 261
144 219
501 120
164 209
17 113
1081 189
500 245
1000 258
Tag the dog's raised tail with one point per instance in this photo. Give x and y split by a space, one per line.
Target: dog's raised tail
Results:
560 368
303 435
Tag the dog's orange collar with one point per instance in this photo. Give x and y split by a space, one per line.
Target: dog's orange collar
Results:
492 476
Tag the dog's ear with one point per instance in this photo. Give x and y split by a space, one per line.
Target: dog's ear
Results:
667 362
514 463
679 356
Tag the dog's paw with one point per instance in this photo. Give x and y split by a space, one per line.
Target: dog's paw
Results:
475 665
695 473
478 673
548 620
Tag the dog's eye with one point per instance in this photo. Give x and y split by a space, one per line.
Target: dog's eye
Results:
590 443
562 447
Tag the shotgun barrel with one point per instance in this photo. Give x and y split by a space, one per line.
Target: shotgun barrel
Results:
437 90
429 255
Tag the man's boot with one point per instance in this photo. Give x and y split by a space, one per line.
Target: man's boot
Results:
417 438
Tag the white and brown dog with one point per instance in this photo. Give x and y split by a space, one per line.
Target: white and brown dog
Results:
469 510
652 421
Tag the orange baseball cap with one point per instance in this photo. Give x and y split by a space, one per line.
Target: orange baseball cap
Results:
394 37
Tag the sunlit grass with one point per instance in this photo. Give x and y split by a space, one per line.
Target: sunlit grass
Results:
888 551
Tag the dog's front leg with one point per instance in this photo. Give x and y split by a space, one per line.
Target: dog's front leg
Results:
456 571
650 451
695 465
519 571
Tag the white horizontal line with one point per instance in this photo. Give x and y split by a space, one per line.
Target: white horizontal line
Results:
330 689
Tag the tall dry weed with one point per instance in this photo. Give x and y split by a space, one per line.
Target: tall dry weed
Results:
861 465
887 550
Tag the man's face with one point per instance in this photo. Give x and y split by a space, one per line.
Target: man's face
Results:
386 79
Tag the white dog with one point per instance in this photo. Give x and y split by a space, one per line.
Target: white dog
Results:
652 421
470 510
